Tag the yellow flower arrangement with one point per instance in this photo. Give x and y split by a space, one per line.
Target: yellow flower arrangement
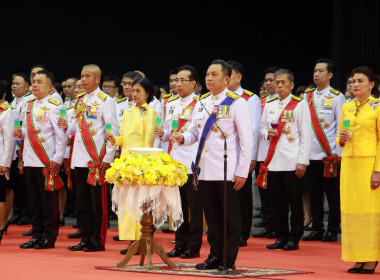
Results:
137 169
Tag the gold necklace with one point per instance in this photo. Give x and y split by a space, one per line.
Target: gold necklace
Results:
359 106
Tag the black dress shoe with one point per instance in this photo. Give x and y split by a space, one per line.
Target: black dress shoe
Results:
23 221
44 244
368 271
330 237
190 254
176 252
242 242
125 251
291 246
355 269
28 233
78 247
211 262
116 238
30 244
279 244
77 234
94 247
229 265
271 235
313 236
166 230
14 220
263 233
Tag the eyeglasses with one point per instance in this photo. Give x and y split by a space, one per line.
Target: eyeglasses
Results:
181 81
108 87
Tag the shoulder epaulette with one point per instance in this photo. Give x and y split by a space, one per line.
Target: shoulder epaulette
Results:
66 98
299 99
5 107
54 101
250 93
273 99
312 89
173 98
196 98
205 95
34 98
121 99
334 91
232 95
102 96
80 94
28 93
168 95
264 96
72 106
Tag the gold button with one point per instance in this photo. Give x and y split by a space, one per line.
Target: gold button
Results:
175 148
312 137
276 147
205 151
78 141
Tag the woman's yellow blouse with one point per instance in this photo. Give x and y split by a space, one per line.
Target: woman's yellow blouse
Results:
136 130
364 130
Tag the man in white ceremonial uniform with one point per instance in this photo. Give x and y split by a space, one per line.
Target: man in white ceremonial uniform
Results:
285 123
43 153
245 193
91 158
325 103
267 222
69 91
188 237
220 115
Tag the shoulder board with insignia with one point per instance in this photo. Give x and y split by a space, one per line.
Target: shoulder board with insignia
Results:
54 101
34 98
205 95
66 98
273 99
102 96
121 99
264 96
196 98
28 93
299 99
72 106
250 93
312 89
80 94
173 98
4 107
232 95
334 91
168 95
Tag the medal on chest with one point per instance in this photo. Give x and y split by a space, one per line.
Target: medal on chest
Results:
288 116
43 114
222 111
92 112
327 104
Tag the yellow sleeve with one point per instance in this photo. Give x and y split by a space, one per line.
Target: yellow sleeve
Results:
149 129
340 125
377 158
119 139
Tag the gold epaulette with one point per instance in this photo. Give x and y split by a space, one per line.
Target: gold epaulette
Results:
54 101
28 93
165 96
247 92
264 96
34 98
205 95
119 100
173 98
273 99
297 98
66 98
80 94
196 98
334 91
312 89
5 107
72 106
102 96
232 95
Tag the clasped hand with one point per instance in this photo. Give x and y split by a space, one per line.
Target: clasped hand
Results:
272 133
177 137
344 135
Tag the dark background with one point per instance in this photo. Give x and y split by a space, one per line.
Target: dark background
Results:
155 36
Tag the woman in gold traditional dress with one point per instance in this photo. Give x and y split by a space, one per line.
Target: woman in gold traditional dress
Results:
136 130
359 135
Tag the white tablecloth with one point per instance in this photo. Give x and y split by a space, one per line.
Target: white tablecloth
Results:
160 200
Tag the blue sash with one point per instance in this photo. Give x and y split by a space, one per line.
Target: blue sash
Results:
206 130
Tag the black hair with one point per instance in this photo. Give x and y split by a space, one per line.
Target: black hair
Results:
271 69
173 71
133 75
48 74
157 92
194 75
111 78
58 87
237 66
38 65
148 87
24 77
5 89
372 77
226 67
330 64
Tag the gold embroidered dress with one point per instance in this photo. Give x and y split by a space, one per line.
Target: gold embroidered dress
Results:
360 205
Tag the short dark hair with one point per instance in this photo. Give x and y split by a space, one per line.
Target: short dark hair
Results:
157 92
24 77
111 78
226 67
133 75
5 89
330 64
194 75
371 75
58 87
270 70
48 75
148 87
173 71
237 66
287 72
38 65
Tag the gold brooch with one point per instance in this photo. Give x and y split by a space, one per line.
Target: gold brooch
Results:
37 129
326 125
291 138
286 130
43 139
93 132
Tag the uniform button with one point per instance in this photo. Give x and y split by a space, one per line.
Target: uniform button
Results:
312 137
205 151
175 148
78 140
276 147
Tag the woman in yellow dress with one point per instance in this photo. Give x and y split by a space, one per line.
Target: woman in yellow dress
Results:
359 135
136 130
